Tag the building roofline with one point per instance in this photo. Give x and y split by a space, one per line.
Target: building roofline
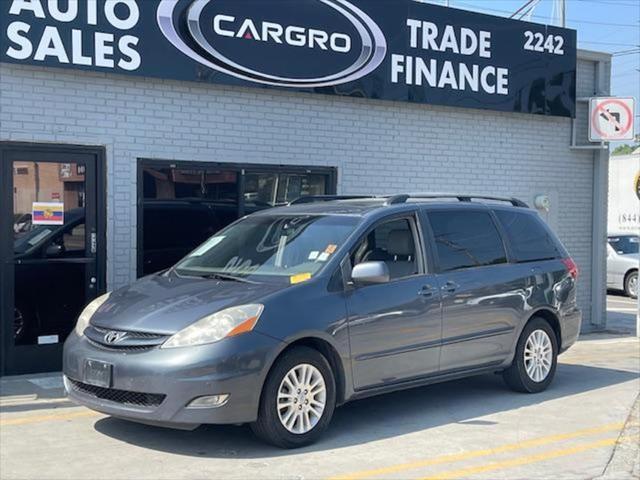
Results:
593 55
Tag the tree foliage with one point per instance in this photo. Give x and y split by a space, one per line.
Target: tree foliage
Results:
625 149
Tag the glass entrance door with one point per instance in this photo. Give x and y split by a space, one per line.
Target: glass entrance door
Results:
49 253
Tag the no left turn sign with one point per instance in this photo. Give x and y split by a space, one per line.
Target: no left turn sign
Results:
610 119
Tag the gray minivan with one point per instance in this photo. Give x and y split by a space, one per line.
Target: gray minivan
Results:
289 312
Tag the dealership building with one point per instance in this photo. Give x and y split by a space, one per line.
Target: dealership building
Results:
131 132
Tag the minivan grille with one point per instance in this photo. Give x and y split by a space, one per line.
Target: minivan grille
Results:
124 397
130 342
127 348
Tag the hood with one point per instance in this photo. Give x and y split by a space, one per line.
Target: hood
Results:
166 304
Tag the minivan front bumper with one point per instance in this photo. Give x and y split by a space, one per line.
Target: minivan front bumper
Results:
155 386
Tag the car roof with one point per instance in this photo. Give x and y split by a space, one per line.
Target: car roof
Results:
368 206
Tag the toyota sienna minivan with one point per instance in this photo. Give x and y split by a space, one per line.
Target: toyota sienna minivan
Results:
287 313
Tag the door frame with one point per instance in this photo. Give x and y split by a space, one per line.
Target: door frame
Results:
49 353
240 168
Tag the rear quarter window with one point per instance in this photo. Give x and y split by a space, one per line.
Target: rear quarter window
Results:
530 239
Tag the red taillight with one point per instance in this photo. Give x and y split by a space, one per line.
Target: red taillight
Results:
572 268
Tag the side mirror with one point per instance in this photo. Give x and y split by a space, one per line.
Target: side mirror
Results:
54 250
370 273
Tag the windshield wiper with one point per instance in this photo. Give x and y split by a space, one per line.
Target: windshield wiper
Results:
224 276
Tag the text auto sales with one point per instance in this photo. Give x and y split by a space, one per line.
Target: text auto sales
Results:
415 70
106 49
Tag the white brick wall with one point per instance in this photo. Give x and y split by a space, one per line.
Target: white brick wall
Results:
377 146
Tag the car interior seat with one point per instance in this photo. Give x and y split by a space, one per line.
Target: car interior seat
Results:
401 251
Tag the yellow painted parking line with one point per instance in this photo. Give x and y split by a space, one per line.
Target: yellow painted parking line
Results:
524 460
456 457
47 418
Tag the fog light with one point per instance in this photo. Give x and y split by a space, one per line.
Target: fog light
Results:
209 401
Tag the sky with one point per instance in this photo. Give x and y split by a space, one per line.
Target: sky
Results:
603 25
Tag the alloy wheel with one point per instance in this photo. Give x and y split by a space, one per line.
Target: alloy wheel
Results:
538 355
632 285
301 399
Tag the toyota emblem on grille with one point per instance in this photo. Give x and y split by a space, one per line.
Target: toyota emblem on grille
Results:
114 337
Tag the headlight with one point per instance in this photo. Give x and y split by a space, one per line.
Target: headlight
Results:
225 323
87 313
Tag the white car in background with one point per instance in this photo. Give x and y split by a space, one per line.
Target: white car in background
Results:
622 263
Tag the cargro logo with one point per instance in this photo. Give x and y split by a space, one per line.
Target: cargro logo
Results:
306 43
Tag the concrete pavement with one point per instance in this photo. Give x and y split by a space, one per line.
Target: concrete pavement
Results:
621 314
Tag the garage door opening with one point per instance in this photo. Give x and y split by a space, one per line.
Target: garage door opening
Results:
181 205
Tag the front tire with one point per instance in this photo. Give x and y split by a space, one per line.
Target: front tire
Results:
631 285
534 364
298 399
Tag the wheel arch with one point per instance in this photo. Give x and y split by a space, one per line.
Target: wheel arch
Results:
328 350
629 272
552 318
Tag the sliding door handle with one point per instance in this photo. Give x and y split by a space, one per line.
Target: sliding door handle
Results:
427 291
450 287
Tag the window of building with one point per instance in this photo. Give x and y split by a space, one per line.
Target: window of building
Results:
270 188
184 205
466 239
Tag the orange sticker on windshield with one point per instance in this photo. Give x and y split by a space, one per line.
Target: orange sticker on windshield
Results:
299 278
330 249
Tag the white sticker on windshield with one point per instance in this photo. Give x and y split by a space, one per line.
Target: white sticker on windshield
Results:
206 246
313 255
323 257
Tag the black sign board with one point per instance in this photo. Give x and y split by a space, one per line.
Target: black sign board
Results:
400 50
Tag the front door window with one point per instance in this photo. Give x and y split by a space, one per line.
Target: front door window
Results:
392 243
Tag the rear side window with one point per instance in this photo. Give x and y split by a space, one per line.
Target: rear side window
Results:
624 244
466 239
529 238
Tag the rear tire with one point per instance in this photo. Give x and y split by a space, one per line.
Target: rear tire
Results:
631 285
535 360
298 399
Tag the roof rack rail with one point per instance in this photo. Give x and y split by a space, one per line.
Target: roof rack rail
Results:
403 197
327 198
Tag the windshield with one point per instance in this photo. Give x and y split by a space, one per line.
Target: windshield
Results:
25 240
624 244
270 248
